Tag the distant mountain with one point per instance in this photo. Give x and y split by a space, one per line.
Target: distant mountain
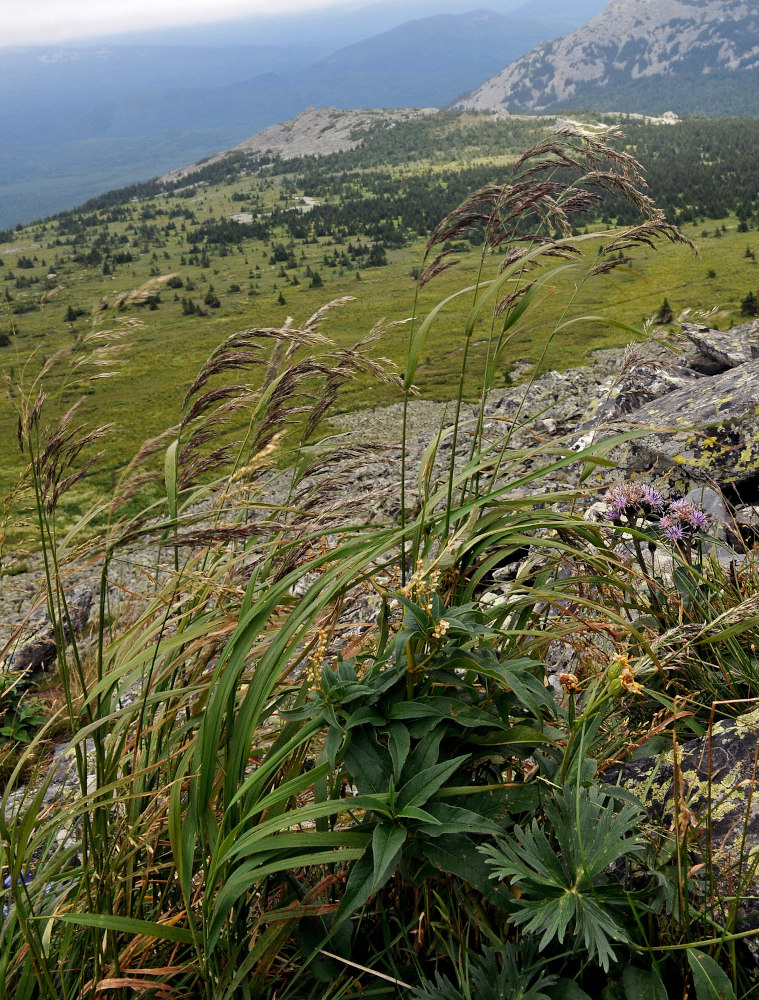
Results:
78 121
649 56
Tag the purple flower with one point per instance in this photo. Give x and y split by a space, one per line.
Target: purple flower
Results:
678 507
698 519
631 498
688 515
652 497
671 528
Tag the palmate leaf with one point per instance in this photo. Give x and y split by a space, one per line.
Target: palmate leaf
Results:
569 885
591 834
534 864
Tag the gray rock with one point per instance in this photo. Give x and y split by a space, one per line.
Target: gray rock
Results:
724 446
732 347
705 790
39 650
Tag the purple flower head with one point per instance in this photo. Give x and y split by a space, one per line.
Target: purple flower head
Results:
678 507
616 497
631 498
652 498
688 515
698 519
671 528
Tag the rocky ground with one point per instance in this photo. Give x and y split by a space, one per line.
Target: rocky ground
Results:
710 379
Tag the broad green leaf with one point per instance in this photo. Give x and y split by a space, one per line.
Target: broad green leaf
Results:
457 855
425 753
334 742
365 716
414 812
368 763
358 888
710 981
453 819
387 842
643 984
567 989
515 736
422 786
399 743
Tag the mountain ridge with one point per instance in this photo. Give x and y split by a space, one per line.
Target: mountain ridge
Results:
54 157
628 45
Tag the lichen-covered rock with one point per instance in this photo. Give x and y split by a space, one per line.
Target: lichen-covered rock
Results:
732 347
707 792
710 430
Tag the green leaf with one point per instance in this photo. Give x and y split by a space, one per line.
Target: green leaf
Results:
515 736
387 842
358 888
399 743
710 981
414 617
127 925
643 984
457 855
414 812
453 819
419 709
366 715
334 742
422 786
425 753
369 764
567 989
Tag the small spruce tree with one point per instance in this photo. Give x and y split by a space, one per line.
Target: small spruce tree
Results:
664 314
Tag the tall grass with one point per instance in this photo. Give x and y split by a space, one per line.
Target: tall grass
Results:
310 760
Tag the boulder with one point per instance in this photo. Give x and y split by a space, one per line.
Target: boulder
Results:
711 430
731 348
38 649
705 790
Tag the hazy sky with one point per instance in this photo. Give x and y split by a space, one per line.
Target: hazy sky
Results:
26 22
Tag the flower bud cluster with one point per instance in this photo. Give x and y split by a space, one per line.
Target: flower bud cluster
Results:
621 677
422 585
318 656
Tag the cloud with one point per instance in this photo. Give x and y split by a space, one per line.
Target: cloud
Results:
44 21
